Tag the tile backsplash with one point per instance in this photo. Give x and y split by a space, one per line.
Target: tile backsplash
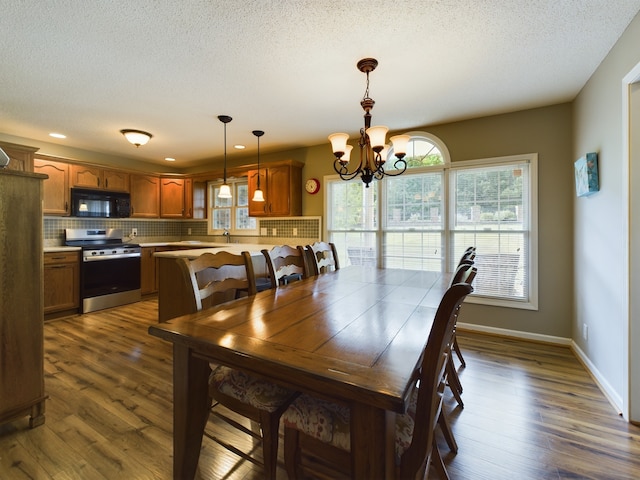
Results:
299 230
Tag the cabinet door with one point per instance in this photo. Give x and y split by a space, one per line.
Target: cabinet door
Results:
258 209
56 187
145 196
85 176
148 271
61 282
279 191
171 197
188 198
116 181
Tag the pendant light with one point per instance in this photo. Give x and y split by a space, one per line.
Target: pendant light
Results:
225 190
258 196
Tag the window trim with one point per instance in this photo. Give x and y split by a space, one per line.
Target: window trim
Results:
447 167
233 183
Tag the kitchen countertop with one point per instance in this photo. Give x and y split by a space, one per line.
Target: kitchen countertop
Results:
199 248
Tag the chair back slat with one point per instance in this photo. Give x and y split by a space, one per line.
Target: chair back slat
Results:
285 263
215 278
322 257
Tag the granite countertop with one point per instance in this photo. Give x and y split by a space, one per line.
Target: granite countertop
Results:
205 247
60 248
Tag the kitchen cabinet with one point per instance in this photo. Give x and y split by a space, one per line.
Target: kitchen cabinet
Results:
21 299
61 281
148 280
176 197
145 196
56 188
87 176
20 156
282 188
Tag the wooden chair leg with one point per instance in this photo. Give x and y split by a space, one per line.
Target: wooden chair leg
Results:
456 348
270 424
443 421
454 382
438 463
292 453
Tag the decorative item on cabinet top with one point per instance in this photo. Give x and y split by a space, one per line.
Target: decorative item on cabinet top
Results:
4 159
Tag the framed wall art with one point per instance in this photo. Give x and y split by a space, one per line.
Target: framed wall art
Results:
586 173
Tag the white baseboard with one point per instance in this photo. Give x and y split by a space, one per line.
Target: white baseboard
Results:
603 384
503 332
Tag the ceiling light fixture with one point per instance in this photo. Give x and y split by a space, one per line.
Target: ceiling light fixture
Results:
225 190
136 137
57 135
258 196
373 151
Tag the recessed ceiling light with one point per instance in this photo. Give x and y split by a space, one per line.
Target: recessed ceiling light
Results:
239 147
57 135
170 159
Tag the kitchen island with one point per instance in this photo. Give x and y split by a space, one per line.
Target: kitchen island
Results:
172 292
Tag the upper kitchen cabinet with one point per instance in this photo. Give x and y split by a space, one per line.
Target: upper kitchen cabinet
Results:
176 197
94 177
56 187
20 156
145 196
281 184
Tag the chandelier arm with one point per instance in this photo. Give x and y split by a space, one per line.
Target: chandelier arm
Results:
344 172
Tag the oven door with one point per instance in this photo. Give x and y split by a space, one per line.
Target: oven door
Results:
111 280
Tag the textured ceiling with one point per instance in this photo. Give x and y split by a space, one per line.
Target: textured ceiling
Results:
90 68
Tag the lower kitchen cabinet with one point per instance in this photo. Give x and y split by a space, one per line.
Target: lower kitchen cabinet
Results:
61 281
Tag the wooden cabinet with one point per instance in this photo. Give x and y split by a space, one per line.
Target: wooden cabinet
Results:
282 187
61 281
145 196
56 187
88 176
21 312
148 283
176 197
20 156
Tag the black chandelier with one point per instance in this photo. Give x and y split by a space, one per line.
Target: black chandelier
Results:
373 150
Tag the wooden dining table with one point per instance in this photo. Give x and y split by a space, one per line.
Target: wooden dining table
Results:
355 336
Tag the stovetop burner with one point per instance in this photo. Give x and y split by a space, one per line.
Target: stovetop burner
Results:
99 241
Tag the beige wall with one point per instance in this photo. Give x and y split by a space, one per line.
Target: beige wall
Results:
546 131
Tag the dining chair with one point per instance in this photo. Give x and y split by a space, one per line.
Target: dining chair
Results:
465 273
468 257
215 279
285 264
322 257
320 428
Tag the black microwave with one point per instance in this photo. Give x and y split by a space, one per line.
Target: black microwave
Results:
100 204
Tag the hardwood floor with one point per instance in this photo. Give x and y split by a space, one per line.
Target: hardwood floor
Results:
531 412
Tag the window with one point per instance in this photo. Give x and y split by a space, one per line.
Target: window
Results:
425 218
230 214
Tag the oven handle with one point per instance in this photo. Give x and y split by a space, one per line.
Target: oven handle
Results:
100 258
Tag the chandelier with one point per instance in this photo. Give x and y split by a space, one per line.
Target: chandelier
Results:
373 150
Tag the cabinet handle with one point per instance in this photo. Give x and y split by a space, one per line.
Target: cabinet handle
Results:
66 206
98 182
57 258
106 183
58 266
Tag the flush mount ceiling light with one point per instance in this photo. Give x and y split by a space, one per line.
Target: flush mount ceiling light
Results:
225 190
258 196
136 137
373 151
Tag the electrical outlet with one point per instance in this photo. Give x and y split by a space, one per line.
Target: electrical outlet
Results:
585 331
295 232
263 231
188 231
274 232
134 232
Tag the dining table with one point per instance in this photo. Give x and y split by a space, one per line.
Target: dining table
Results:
355 335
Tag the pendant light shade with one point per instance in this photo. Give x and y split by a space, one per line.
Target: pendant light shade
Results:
225 190
258 196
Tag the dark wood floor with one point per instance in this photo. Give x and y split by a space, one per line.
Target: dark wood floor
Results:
531 412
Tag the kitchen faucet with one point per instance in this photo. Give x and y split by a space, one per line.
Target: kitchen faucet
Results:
226 234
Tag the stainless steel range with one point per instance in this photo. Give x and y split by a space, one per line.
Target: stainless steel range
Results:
110 270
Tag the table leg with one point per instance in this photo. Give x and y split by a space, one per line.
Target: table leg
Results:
372 442
190 410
